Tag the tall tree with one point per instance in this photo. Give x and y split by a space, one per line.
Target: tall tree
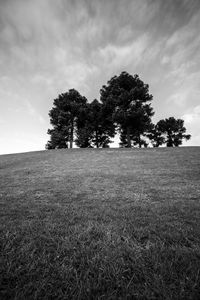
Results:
58 139
173 131
138 140
127 100
96 129
64 115
155 135
83 131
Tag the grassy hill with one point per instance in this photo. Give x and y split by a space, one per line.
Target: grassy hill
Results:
101 224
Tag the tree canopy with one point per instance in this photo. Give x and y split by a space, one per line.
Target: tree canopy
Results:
64 116
173 131
97 129
124 107
128 99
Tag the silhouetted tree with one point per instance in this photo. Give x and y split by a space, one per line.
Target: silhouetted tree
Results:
58 139
64 116
83 131
125 106
155 135
138 140
96 129
173 131
126 97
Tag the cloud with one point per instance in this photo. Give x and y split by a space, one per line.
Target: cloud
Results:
33 113
193 117
124 54
182 50
187 92
192 124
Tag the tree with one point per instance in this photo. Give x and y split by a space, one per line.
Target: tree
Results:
126 99
96 129
64 116
58 140
83 131
173 131
156 136
138 140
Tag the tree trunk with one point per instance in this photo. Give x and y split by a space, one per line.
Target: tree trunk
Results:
169 141
139 141
72 135
128 138
97 140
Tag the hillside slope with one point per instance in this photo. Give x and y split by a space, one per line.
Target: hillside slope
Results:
101 224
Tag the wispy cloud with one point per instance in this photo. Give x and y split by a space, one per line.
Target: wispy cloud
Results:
33 113
192 123
183 49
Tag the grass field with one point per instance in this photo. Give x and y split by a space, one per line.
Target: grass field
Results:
101 224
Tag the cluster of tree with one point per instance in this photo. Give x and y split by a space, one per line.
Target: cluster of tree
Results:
124 107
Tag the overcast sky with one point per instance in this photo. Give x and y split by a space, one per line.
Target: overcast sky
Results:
50 46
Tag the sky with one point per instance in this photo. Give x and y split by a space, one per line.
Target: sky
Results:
48 47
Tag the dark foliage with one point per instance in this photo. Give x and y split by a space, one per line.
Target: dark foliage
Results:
127 98
66 111
173 131
169 131
96 129
125 107
156 136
